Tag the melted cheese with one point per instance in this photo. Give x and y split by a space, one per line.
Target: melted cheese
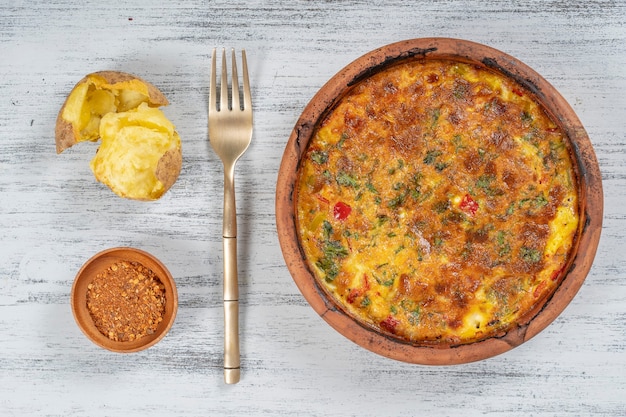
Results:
437 203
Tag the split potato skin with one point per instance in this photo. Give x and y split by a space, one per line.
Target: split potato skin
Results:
140 154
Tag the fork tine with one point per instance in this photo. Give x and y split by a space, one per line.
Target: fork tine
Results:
212 88
224 82
247 100
235 83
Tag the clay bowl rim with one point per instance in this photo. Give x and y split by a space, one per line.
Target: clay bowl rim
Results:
100 262
590 200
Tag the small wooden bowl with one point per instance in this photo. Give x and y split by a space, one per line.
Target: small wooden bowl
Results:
590 200
99 263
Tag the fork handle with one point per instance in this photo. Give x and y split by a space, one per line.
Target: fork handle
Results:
231 313
232 370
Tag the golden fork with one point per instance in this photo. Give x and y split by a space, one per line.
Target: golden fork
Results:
230 134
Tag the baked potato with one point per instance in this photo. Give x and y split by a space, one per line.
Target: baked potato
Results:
140 152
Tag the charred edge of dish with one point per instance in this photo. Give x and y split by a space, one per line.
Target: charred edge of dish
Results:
290 194
516 335
582 179
389 60
525 82
576 150
299 129
329 301
587 222
302 131
582 176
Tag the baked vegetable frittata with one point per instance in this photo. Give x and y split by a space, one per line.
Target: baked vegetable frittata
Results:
437 202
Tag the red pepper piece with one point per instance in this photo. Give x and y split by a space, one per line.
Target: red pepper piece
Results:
539 289
352 295
389 324
556 274
366 282
341 211
357 292
322 199
469 205
518 92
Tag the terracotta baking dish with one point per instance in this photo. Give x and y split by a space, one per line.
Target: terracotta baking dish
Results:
590 200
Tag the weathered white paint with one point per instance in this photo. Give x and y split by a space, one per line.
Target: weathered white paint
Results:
53 215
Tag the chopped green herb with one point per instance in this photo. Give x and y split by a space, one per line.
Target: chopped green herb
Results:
416 178
530 255
333 251
555 150
329 267
530 138
347 180
327 229
412 310
510 209
504 248
416 193
457 141
366 301
388 283
319 157
397 201
370 187
527 118
381 219
441 206
435 116
353 235
342 139
398 167
467 250
440 166
484 181
430 157
541 201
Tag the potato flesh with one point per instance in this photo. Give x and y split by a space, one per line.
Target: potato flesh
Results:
98 103
133 142
90 101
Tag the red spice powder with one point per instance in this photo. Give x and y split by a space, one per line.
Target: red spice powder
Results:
126 301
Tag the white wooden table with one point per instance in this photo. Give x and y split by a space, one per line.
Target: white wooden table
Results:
54 216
